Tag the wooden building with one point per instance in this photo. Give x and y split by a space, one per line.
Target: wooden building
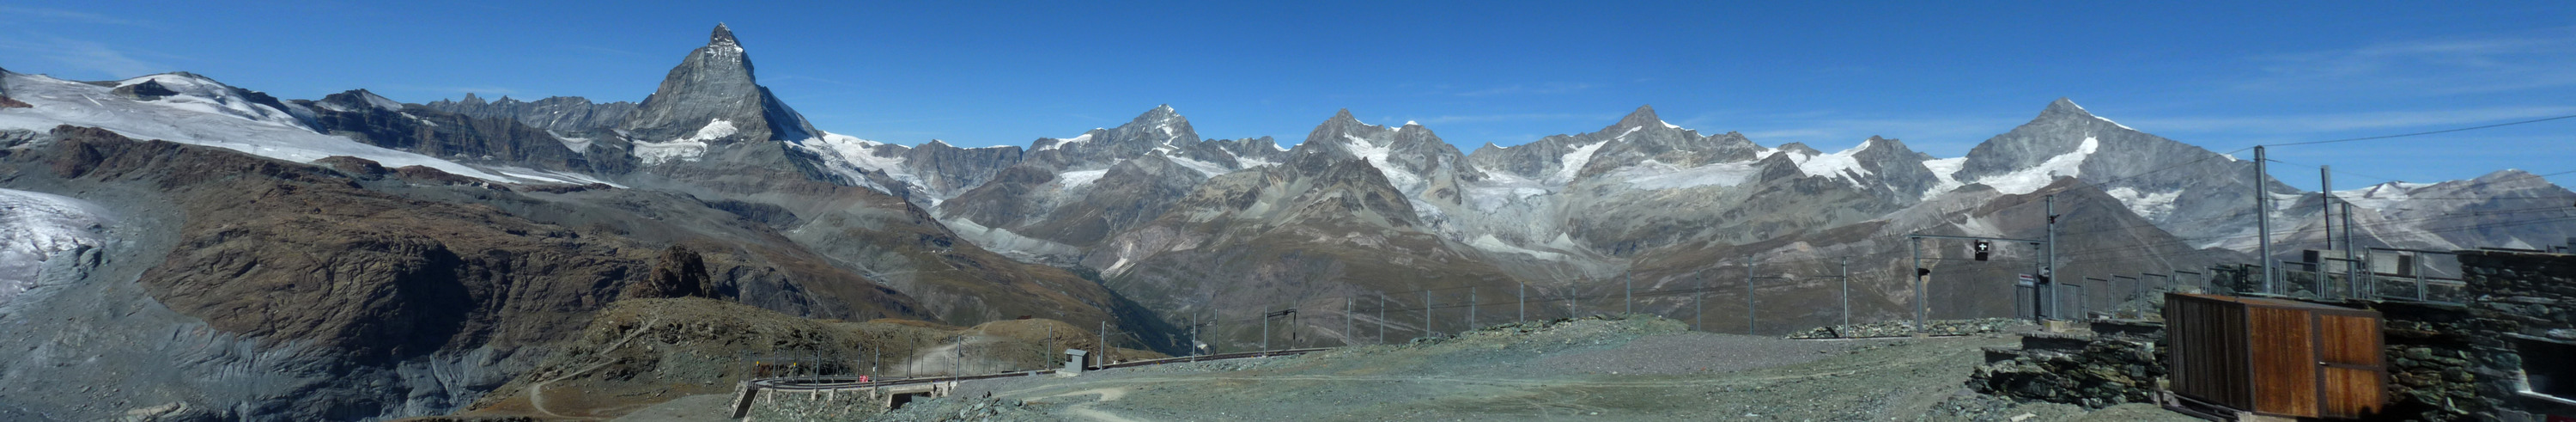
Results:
2276 357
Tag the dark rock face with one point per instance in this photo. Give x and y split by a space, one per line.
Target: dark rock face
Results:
715 83
679 273
374 120
946 168
568 115
365 270
146 91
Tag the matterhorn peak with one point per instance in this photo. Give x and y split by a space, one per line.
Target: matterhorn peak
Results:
722 36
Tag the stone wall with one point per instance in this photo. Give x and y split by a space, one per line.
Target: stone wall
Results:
2428 360
2118 363
2517 296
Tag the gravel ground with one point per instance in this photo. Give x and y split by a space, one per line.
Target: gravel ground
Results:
1608 369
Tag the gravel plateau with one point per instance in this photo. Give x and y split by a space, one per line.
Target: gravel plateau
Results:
1605 368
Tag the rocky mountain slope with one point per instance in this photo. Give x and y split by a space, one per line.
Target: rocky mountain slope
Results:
356 257
353 257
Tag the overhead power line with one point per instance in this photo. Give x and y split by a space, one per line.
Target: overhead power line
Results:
2402 135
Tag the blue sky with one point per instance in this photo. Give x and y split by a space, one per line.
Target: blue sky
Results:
1940 76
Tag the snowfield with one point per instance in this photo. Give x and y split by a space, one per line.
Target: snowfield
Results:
34 227
205 113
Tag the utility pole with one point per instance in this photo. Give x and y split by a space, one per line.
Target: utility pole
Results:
1917 277
2352 264
1426 313
1347 304
1699 301
1748 294
1522 296
1471 307
2263 222
2046 273
1631 297
1265 328
2325 211
1381 317
1842 270
1104 342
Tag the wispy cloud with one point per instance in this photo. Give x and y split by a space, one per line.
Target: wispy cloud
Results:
18 13
85 55
1518 89
2491 63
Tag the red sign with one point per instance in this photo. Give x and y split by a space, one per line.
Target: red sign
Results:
2556 418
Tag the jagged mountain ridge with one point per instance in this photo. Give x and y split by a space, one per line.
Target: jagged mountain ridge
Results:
559 114
1185 225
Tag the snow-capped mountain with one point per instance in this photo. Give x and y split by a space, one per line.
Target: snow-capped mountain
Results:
475 229
711 98
191 109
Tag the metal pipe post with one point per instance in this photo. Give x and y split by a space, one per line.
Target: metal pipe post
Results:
2263 222
1471 308
1426 313
1522 296
1748 294
1917 276
2050 270
2353 265
1842 270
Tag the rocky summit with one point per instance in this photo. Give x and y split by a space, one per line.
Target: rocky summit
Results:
177 248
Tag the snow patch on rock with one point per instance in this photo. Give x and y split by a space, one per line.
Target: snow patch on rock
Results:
1947 170
1653 174
35 227
2031 179
203 113
2152 206
1076 179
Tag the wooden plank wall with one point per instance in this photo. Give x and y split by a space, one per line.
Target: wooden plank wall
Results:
2285 361
2208 361
2353 368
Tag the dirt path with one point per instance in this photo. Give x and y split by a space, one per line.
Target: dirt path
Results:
537 390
